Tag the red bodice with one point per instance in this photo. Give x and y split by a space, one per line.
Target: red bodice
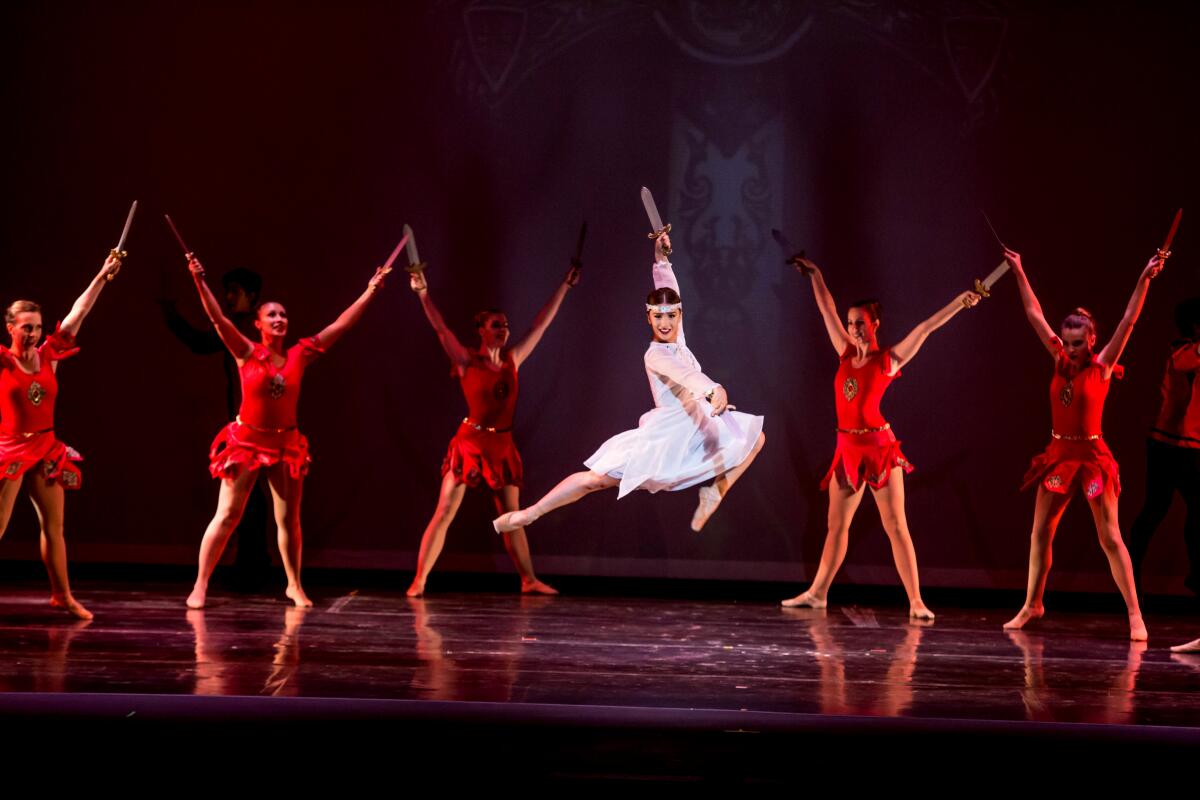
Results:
27 400
270 394
491 394
858 390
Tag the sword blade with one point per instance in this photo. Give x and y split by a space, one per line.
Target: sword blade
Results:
992 228
579 244
411 247
178 238
995 275
387 267
125 231
785 244
656 222
1171 233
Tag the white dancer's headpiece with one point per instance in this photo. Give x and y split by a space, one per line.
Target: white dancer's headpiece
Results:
664 308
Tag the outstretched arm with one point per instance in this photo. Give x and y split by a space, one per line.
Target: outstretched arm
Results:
459 356
908 347
84 303
668 363
524 348
348 318
838 336
1111 353
237 344
1033 309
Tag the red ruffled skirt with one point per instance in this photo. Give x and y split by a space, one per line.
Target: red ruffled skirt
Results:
1064 463
476 457
866 457
238 447
42 451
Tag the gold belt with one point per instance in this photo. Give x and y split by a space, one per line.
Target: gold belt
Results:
487 428
1069 438
262 430
31 434
860 431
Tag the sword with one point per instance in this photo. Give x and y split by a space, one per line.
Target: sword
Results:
789 249
655 220
387 267
577 260
119 250
992 228
1164 252
414 261
984 287
187 252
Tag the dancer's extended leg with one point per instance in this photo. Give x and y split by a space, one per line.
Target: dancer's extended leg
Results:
711 496
449 499
517 544
1047 511
1104 511
890 500
570 489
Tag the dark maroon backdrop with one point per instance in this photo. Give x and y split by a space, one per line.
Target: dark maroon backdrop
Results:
297 138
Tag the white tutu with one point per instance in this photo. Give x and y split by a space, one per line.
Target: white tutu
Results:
677 447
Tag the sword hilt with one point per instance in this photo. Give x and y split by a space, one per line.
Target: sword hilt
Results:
1163 255
415 268
119 255
982 290
656 234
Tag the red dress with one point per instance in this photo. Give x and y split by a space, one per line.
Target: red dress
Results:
866 447
1077 452
482 451
265 431
27 416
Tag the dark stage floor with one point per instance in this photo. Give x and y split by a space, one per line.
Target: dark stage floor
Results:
503 659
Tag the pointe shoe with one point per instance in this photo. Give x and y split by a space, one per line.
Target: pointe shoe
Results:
803 600
512 520
1191 647
710 498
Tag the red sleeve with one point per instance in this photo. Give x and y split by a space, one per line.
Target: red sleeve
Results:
310 347
58 345
1186 358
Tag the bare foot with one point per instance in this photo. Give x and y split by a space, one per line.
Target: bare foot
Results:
918 610
416 589
710 498
804 600
512 520
69 604
197 597
1191 647
537 587
1023 616
297 596
1137 628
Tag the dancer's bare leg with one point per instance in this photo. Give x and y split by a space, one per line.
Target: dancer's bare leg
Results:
449 499
890 500
711 496
230 503
286 493
1047 512
570 489
1104 511
48 500
9 488
843 503
1190 647
517 544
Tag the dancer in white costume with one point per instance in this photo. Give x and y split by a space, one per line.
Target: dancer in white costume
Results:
692 435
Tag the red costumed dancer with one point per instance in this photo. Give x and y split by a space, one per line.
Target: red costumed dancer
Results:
482 453
1077 455
265 435
868 452
29 447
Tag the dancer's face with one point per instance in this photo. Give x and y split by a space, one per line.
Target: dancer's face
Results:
493 333
861 326
1078 344
665 324
272 320
25 331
